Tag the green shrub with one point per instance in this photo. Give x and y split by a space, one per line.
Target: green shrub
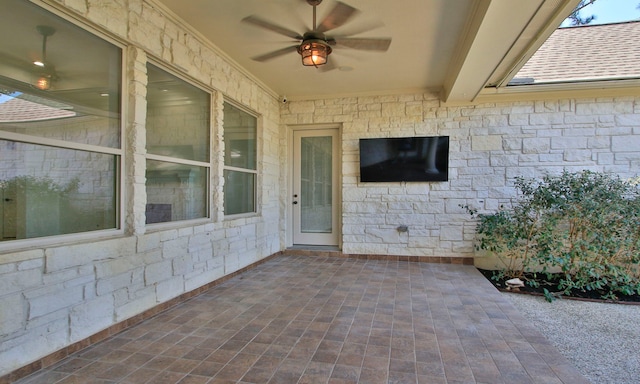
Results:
584 225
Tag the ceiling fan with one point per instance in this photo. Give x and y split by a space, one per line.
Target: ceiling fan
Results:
45 71
314 46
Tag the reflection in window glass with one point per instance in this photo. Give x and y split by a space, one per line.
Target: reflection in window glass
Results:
178 121
70 99
178 117
42 196
240 189
175 192
240 148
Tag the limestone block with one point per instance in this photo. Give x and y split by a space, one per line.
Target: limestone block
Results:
365 248
199 242
546 118
518 119
107 285
80 254
581 155
387 236
148 242
354 194
31 264
606 159
579 132
156 272
181 264
117 266
53 301
91 317
625 143
134 307
536 145
599 142
197 280
13 313
169 289
393 109
301 107
551 158
631 120
168 235
568 142
110 14
173 248
19 351
17 281
486 143
422 242
484 181
504 160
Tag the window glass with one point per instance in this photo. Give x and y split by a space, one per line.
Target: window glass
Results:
240 160
175 192
239 189
178 159
48 191
60 126
178 117
77 90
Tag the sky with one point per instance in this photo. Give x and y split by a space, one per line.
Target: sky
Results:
611 11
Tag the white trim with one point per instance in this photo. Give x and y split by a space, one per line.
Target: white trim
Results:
177 160
11 246
21 138
337 200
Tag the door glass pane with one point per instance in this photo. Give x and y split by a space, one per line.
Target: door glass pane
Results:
315 179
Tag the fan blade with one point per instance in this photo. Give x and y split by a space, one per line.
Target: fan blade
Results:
339 15
274 54
272 27
365 44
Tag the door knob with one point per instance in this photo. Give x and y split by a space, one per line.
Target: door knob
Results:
295 202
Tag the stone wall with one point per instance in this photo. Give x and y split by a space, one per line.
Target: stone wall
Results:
55 293
490 144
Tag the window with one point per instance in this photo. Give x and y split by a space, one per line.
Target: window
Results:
178 157
240 133
60 126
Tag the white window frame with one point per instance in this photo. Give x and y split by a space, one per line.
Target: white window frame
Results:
175 160
119 152
255 172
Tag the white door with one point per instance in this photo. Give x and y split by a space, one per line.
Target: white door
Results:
315 195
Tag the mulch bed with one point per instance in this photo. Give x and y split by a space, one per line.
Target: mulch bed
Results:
552 286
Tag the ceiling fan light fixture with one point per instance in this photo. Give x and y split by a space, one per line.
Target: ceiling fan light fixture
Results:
46 74
314 52
43 83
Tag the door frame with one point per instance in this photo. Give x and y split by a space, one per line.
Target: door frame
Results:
290 177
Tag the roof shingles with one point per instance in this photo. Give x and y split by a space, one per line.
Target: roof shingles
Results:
586 53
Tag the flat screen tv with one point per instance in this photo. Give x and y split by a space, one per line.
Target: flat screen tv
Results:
404 159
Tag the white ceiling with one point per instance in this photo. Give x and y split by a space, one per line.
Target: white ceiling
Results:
452 46
424 33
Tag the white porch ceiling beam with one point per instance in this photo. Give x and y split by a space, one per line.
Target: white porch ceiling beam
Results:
499 37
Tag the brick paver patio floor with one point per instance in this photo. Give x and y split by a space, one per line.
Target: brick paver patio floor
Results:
311 319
